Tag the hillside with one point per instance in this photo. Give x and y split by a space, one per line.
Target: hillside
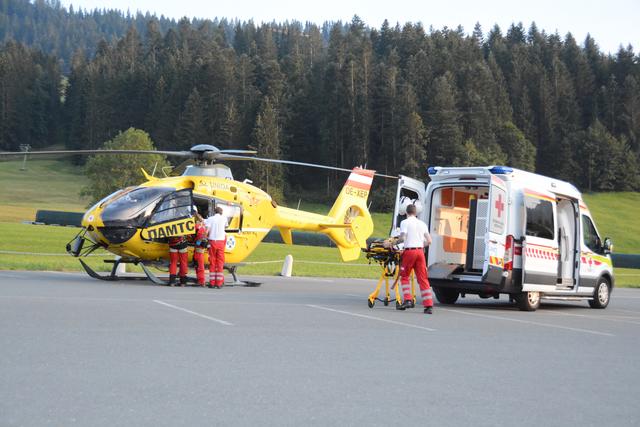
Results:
46 184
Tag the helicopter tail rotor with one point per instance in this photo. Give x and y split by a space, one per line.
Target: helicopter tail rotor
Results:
352 221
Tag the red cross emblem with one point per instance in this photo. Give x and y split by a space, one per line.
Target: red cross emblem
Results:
499 205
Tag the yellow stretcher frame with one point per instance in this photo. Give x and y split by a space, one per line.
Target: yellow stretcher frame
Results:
390 269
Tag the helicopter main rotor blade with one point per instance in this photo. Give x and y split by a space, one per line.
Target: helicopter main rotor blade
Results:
238 152
290 162
92 152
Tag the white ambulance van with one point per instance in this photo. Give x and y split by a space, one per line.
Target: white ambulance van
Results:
499 230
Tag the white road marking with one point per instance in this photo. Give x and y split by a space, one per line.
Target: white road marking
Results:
608 318
222 322
354 295
364 316
615 310
548 325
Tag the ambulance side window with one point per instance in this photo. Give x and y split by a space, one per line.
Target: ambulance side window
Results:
590 235
539 218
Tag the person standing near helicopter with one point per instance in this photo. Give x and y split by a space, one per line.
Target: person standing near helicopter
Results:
201 243
216 226
178 251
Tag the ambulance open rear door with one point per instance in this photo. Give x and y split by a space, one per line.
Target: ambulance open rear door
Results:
496 232
409 191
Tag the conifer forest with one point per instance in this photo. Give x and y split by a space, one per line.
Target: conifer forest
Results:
397 98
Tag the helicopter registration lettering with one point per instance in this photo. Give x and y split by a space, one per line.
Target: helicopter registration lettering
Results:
180 227
352 191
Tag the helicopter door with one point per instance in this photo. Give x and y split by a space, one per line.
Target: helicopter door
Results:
172 216
409 191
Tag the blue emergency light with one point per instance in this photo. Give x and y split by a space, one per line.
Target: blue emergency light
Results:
432 170
501 170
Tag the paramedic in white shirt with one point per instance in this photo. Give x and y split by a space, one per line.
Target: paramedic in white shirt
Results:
415 235
216 225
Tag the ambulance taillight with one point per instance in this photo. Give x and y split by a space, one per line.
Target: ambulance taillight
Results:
508 253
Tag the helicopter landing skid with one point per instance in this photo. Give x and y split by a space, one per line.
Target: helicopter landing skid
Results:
232 268
112 277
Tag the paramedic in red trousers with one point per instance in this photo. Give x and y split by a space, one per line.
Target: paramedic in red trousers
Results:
200 246
216 225
178 251
415 235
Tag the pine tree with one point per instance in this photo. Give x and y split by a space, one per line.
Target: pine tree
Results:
267 138
191 130
445 142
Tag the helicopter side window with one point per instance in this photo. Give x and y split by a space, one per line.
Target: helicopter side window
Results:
174 206
233 213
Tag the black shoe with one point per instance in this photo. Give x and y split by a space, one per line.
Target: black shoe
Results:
183 281
407 304
210 286
428 310
172 280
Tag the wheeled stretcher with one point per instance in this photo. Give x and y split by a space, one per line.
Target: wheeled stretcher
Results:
389 260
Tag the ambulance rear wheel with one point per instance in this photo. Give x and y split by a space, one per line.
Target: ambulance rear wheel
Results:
446 296
601 294
528 301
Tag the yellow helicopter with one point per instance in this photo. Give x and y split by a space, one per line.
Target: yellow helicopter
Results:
136 222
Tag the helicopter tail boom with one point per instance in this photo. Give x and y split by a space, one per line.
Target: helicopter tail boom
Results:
348 223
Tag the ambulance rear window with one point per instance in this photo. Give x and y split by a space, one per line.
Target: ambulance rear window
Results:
539 218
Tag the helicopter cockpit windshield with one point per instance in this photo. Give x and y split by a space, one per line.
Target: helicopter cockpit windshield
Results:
130 208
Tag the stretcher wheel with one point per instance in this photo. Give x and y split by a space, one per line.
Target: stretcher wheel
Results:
398 305
386 301
371 303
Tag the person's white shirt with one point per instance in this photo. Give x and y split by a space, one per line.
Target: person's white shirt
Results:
415 232
216 225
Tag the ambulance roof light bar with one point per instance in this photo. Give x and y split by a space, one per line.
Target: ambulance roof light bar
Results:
433 170
501 170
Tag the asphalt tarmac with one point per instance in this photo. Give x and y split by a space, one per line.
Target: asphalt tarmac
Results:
302 351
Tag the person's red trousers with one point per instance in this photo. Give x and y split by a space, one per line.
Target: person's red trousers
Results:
198 257
216 262
413 259
181 255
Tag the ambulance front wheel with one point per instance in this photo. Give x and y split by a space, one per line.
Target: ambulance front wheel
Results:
446 296
601 294
528 301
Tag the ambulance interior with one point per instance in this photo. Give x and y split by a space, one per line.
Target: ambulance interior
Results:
457 226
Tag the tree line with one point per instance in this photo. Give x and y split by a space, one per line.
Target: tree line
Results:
394 98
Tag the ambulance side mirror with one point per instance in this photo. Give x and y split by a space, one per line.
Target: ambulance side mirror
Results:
607 247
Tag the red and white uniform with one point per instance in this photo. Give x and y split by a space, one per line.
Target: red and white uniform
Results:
201 243
216 225
415 234
178 252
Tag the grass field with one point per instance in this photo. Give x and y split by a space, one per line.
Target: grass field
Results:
55 185
46 184
617 216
